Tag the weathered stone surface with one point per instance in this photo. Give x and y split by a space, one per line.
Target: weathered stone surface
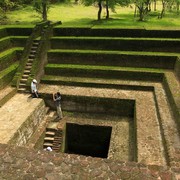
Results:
19 118
78 167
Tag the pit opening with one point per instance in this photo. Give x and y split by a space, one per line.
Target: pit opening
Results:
88 140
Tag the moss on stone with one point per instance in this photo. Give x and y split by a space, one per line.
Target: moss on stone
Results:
7 74
7 58
5 43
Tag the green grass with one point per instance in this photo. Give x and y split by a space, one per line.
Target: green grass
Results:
9 51
112 38
112 52
8 70
90 67
79 15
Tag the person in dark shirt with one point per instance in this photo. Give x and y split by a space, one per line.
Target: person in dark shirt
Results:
57 100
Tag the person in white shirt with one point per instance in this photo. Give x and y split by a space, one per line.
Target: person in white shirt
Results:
48 148
34 89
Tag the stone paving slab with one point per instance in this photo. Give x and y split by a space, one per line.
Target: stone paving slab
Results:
20 163
14 113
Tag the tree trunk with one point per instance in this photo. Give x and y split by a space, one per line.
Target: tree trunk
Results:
100 9
149 6
154 5
44 12
163 10
107 9
135 11
141 12
178 8
141 17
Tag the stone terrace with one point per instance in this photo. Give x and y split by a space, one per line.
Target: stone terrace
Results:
128 65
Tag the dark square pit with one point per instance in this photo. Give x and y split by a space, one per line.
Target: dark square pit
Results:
88 140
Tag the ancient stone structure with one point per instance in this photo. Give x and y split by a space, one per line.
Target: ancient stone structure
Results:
120 99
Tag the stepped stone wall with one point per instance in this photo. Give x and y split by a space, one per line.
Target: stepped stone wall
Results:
157 125
20 117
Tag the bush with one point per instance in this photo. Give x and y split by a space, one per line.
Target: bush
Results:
2 14
6 5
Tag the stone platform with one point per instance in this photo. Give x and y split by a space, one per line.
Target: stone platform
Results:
19 118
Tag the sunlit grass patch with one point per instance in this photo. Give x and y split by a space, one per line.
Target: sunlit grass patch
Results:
72 15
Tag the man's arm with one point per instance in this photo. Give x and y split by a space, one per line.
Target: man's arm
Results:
54 97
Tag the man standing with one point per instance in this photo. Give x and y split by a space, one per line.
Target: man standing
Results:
57 100
34 89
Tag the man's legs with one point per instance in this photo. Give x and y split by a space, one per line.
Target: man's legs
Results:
35 95
59 112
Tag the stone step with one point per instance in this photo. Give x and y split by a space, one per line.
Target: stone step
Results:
57 139
46 144
28 67
31 56
57 142
25 76
52 113
52 126
23 80
59 134
95 82
22 85
34 48
50 134
56 146
35 43
30 60
32 52
49 139
27 72
21 90
51 129
29 64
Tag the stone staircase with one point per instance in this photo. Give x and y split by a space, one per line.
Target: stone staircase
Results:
57 140
53 137
27 70
32 56
49 136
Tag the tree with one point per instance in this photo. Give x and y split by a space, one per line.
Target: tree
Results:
112 4
108 4
6 5
44 10
41 7
177 6
142 6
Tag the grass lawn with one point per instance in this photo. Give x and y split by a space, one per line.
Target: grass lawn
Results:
78 15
